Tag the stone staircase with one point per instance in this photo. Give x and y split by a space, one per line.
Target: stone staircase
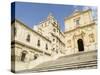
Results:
83 60
81 65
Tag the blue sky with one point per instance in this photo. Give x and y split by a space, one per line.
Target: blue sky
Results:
32 13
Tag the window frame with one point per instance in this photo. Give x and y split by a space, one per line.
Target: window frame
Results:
77 21
46 47
38 43
28 38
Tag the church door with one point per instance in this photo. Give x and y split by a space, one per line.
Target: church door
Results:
80 45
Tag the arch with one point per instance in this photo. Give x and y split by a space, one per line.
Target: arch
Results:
38 43
80 45
23 55
35 56
46 47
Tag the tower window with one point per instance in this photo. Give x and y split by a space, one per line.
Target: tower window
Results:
46 46
54 23
54 30
28 38
77 21
38 44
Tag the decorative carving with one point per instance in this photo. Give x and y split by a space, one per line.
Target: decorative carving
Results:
69 43
91 38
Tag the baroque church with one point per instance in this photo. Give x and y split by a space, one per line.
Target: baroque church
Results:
45 46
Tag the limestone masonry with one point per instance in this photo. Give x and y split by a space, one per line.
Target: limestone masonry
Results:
45 42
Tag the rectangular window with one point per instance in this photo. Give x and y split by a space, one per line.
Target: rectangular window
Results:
46 46
28 38
38 44
77 21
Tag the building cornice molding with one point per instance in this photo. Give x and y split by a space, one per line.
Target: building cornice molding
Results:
16 20
93 23
79 13
33 48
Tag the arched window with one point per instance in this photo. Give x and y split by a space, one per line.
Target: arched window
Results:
23 56
36 56
28 38
54 22
46 47
38 44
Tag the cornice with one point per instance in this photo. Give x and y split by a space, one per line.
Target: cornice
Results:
93 23
23 44
16 20
78 13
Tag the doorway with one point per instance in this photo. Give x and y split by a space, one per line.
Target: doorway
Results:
80 45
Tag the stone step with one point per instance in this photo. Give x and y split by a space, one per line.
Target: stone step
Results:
80 65
76 61
76 58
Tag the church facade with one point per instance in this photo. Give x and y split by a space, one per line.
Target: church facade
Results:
45 41
80 34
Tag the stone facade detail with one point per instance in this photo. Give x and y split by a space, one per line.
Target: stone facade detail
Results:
45 41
